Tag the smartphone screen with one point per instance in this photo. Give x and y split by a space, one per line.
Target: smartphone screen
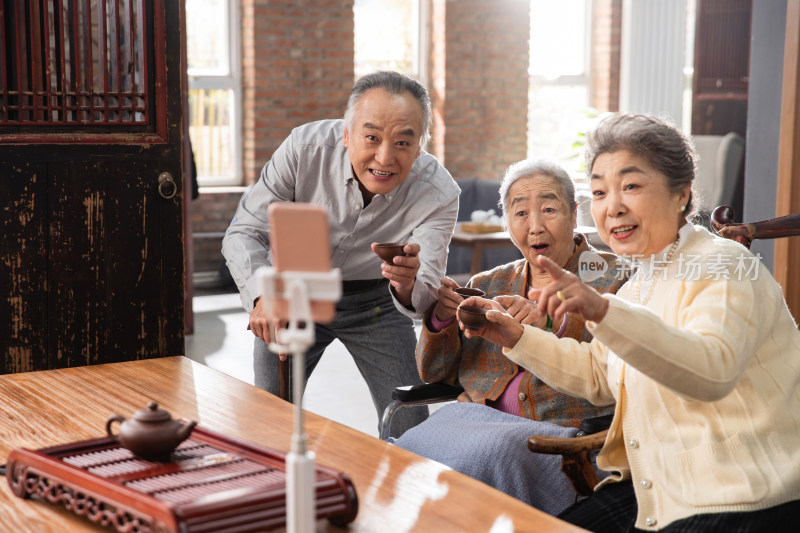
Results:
300 241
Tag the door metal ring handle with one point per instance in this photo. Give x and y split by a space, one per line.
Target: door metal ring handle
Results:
166 185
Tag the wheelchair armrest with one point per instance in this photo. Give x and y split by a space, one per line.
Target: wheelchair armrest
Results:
426 392
593 425
409 395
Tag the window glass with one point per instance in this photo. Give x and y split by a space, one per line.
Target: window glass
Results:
214 91
386 36
558 38
559 111
210 131
208 43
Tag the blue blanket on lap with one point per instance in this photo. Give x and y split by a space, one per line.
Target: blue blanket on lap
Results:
492 446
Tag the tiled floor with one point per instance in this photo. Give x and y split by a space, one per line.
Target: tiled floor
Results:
222 341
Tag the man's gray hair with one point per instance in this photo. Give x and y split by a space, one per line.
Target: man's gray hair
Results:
536 167
393 83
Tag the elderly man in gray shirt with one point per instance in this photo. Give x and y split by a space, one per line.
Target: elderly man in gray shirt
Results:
378 185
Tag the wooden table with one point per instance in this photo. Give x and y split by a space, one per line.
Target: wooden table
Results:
499 239
479 242
397 490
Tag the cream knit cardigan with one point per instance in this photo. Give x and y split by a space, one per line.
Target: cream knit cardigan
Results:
707 383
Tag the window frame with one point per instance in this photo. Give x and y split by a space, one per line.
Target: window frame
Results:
207 80
582 79
420 41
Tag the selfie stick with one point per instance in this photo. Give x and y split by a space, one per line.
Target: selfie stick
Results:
300 289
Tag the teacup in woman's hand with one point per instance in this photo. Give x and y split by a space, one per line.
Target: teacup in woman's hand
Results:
466 292
389 250
472 316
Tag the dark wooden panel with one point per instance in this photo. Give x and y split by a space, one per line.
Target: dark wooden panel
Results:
722 47
719 116
134 269
92 255
109 299
721 67
76 292
787 251
23 269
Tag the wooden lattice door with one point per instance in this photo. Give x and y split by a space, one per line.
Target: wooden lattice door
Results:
91 252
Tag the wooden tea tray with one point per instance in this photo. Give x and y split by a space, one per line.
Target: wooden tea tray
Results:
473 227
212 483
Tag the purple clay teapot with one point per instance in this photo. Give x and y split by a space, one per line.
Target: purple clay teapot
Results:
151 433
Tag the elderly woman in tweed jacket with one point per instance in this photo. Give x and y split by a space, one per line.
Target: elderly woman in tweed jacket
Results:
484 434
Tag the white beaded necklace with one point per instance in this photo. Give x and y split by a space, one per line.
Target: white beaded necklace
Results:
637 287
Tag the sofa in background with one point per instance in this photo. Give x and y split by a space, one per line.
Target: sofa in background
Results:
483 194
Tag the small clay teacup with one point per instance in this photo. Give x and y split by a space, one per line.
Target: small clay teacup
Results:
466 292
472 316
389 250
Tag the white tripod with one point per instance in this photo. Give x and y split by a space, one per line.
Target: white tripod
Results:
300 289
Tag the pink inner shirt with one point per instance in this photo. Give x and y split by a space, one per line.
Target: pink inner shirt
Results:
437 324
508 402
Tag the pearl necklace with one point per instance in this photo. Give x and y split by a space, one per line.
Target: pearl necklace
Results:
637 287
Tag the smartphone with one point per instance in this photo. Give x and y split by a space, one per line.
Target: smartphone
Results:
300 241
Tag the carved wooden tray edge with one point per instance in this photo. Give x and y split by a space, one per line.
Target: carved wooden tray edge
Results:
44 474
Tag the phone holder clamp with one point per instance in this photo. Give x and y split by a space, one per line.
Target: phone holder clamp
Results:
300 289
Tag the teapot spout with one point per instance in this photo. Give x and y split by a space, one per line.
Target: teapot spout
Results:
186 430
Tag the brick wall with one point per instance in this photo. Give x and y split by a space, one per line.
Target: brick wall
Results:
436 85
297 66
480 78
212 212
606 38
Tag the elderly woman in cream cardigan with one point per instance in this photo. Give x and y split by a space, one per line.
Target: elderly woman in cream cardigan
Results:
698 349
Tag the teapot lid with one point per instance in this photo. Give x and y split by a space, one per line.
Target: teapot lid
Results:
152 413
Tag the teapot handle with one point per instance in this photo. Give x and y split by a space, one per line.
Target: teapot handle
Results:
111 420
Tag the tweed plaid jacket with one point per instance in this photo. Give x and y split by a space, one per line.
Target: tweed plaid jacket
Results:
480 366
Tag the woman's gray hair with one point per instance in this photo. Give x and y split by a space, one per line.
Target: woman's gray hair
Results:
664 146
537 167
393 83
